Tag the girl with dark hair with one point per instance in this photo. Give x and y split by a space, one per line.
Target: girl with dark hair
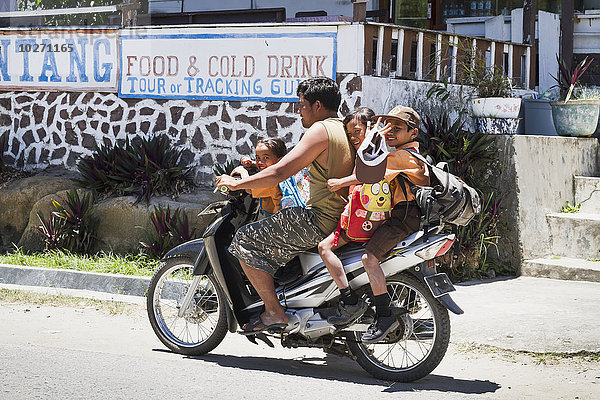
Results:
291 192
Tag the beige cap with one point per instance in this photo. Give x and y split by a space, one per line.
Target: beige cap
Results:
405 114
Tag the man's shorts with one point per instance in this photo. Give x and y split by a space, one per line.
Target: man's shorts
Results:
405 220
270 243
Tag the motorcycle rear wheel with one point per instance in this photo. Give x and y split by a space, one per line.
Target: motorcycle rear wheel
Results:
420 342
204 324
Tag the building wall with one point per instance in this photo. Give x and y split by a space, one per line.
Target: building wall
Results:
58 128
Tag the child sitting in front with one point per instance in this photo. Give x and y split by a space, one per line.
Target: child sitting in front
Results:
291 192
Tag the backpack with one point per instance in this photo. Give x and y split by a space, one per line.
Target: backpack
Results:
370 204
448 200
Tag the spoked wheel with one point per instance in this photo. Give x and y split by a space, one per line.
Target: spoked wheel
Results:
418 345
202 326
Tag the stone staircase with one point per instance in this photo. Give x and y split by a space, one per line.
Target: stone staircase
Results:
574 238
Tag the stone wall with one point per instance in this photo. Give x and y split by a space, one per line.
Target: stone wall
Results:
534 175
51 128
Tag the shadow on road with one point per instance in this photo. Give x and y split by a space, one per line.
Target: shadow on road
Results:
343 369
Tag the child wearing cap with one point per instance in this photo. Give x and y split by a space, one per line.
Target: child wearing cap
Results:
401 129
351 307
405 218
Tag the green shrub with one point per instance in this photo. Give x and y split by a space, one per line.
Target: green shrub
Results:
145 169
465 152
169 231
72 226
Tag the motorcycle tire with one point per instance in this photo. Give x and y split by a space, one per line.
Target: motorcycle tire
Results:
418 345
203 326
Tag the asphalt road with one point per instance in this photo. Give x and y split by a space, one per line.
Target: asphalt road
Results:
82 353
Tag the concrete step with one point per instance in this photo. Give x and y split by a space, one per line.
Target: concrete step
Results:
587 193
575 235
571 269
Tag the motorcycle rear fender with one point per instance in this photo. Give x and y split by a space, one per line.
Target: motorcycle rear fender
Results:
420 272
193 250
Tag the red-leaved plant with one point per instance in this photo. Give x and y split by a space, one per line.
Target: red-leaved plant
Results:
568 78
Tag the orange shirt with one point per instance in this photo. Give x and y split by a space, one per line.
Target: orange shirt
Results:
271 198
402 161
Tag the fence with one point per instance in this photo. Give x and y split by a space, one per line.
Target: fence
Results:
410 53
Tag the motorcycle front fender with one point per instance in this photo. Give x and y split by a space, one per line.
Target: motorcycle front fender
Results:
193 250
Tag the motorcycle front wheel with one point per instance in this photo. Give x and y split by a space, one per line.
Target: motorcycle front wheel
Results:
203 324
418 345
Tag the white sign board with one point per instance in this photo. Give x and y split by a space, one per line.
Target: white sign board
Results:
79 60
224 64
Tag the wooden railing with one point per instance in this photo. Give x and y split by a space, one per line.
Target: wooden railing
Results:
420 54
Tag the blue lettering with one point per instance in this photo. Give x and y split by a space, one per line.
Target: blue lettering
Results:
291 92
77 59
4 59
161 85
26 77
257 87
142 85
199 83
151 88
132 79
49 64
275 86
228 85
189 82
106 66
246 87
219 91
209 84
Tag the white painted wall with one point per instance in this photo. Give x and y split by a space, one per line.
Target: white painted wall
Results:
549 40
586 34
8 5
516 25
495 28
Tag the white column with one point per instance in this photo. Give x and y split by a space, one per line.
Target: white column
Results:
419 72
527 65
400 53
380 36
438 57
511 69
454 41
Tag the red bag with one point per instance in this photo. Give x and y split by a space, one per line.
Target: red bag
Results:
370 204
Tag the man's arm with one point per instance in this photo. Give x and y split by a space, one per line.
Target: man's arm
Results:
312 144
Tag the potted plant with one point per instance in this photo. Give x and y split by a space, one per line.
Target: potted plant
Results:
576 111
495 109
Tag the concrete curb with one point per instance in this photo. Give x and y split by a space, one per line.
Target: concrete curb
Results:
69 279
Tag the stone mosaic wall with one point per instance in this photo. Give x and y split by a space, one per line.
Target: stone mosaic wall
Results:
58 128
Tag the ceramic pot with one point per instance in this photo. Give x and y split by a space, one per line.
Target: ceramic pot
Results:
497 126
576 117
496 107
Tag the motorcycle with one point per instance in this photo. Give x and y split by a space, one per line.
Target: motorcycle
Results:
200 292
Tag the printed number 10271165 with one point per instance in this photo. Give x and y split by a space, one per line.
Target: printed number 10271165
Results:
45 47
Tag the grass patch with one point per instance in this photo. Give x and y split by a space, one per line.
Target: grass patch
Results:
9 296
137 264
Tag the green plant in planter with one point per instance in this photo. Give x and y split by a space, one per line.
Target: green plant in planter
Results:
576 112
568 78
